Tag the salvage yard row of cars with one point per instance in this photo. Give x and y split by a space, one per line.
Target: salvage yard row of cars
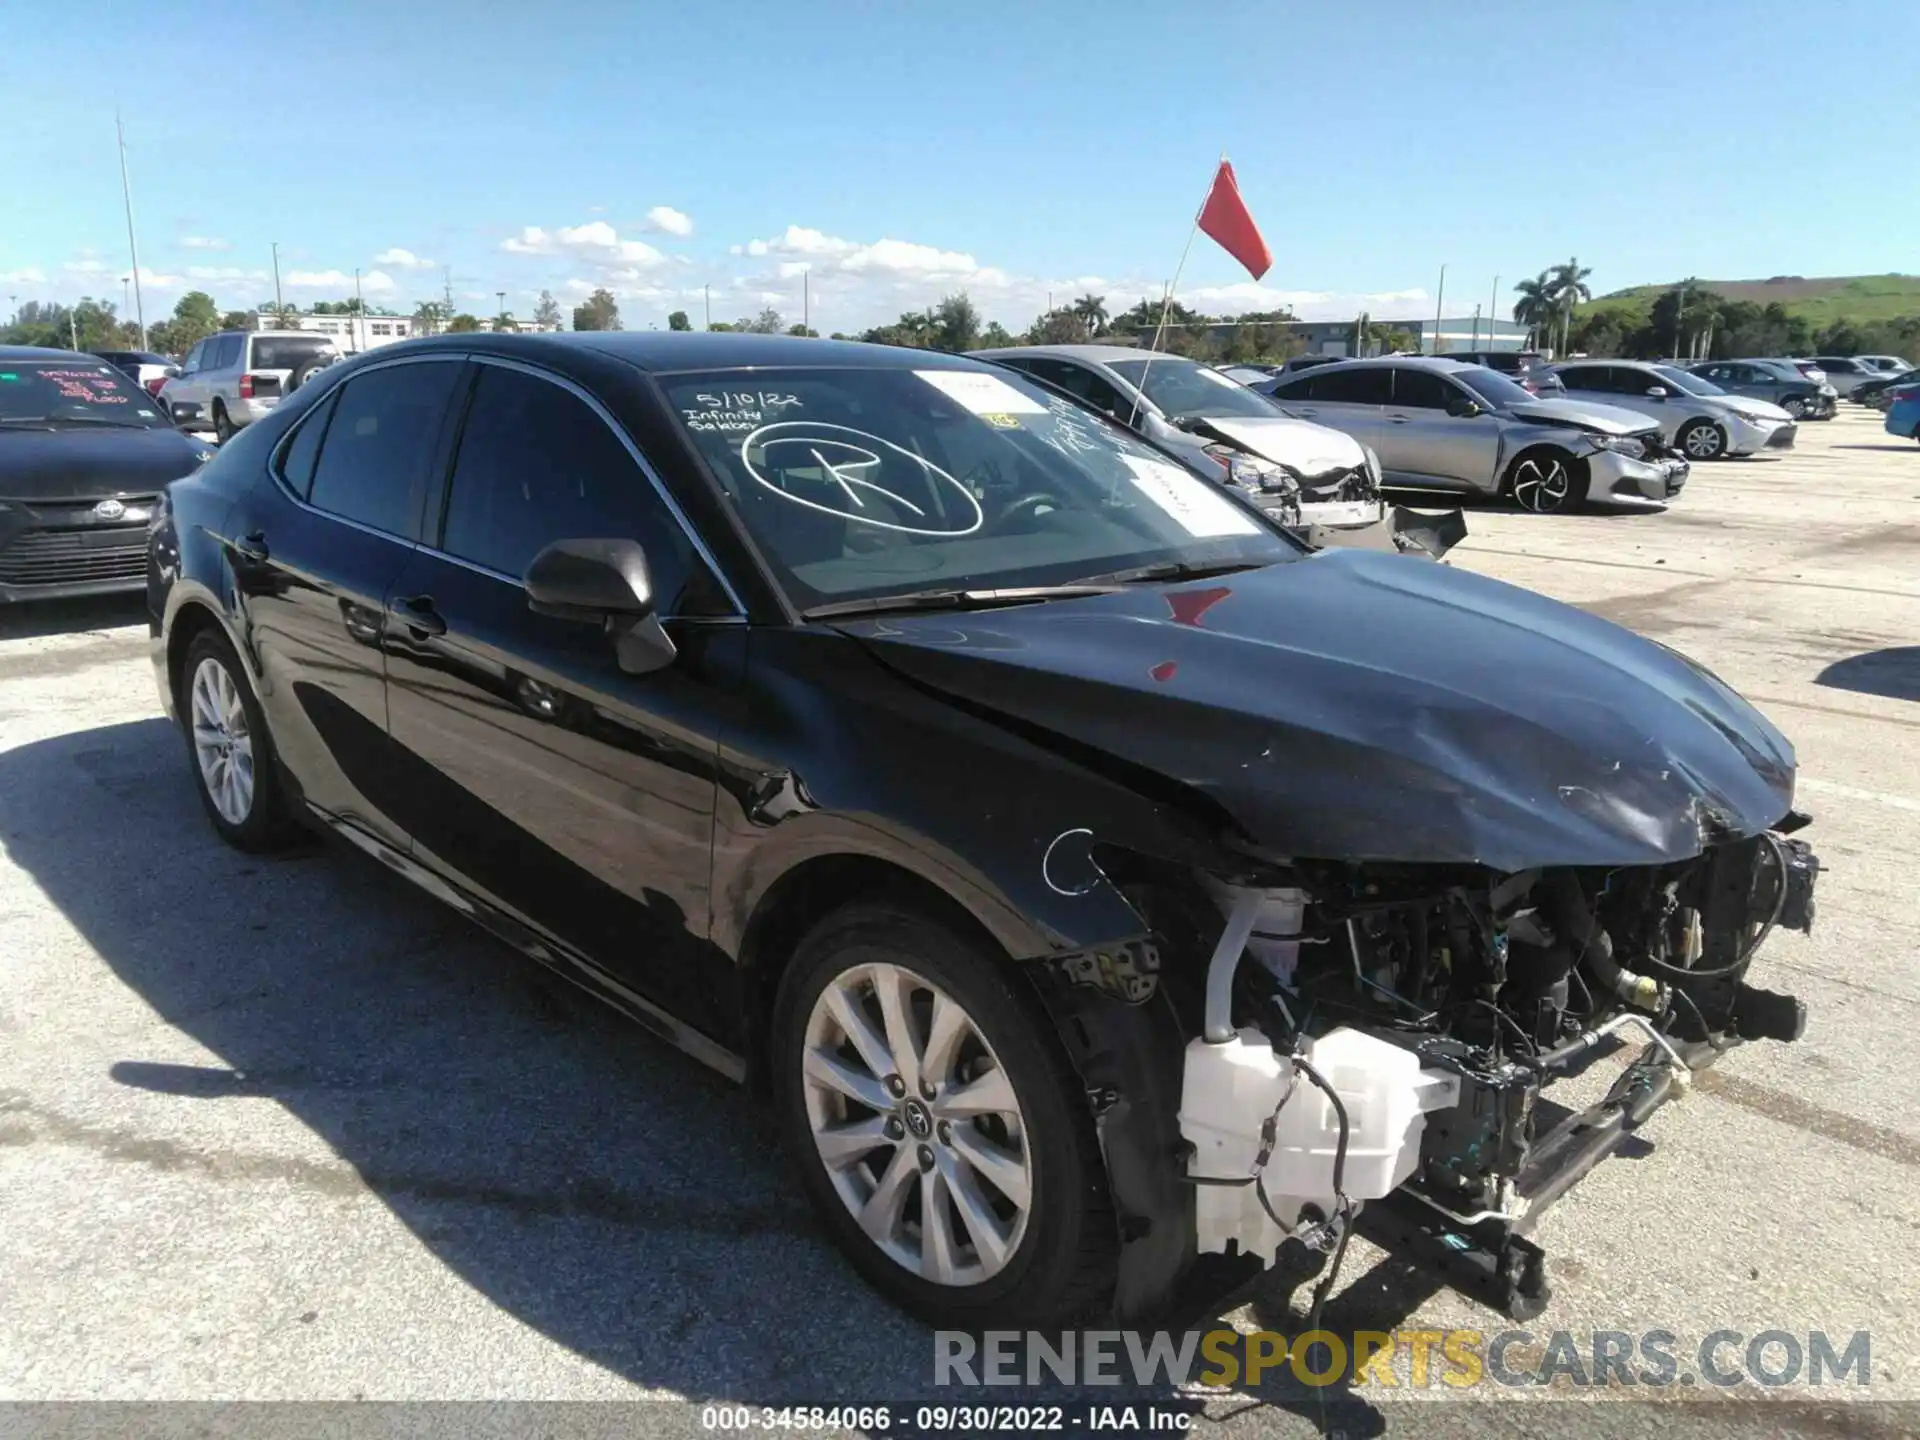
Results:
1285 876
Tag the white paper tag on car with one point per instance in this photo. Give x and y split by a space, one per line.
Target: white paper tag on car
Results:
982 394
1200 510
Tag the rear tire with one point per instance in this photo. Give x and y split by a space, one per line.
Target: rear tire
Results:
223 426
1702 440
1000 1143
1547 481
234 766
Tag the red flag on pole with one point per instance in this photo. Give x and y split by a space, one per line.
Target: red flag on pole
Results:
1225 219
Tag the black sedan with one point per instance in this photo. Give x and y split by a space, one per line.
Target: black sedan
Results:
1038 822
84 453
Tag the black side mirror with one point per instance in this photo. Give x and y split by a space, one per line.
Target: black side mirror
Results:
602 582
1462 408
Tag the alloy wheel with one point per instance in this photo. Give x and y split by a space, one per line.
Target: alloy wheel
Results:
917 1124
222 742
1703 441
1795 406
1541 484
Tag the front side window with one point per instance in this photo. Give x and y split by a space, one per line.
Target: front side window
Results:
71 395
1183 388
864 482
382 434
1420 389
536 464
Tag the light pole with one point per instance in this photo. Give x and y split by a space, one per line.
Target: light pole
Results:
706 294
278 304
500 320
133 250
1493 315
124 303
1438 306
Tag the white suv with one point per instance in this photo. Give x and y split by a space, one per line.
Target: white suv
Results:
233 378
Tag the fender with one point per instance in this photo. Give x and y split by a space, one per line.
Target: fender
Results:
890 767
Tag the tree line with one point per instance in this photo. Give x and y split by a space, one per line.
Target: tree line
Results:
1689 320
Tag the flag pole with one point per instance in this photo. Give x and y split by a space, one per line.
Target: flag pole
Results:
1166 303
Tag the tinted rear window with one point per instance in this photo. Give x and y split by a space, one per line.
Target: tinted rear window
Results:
286 352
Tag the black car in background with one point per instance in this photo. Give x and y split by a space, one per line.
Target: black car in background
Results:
888 730
84 453
1526 368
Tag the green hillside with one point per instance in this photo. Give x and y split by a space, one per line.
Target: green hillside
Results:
1819 300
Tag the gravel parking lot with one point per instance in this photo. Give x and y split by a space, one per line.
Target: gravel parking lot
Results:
289 1130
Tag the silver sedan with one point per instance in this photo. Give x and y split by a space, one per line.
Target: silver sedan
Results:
1437 424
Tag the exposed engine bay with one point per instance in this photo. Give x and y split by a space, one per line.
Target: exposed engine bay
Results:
1382 1033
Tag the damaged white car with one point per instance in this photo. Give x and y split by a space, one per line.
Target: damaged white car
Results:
1316 480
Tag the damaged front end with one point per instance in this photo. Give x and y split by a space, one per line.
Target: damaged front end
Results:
1366 1048
1334 503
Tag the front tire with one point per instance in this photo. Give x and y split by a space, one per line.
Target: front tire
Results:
937 1127
1795 406
1702 440
232 754
1547 481
223 427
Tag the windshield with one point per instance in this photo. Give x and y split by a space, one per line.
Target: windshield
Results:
1183 388
1493 387
72 393
1688 382
858 482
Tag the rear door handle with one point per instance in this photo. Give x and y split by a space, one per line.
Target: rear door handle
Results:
416 612
253 546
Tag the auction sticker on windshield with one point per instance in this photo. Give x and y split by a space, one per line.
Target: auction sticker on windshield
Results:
982 394
1200 511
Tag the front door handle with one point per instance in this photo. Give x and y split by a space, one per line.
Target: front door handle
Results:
416 612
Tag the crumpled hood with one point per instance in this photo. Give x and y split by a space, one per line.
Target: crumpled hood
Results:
1351 706
93 463
1300 445
1608 419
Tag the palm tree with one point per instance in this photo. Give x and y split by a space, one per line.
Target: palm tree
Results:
1569 288
428 317
1534 308
1091 310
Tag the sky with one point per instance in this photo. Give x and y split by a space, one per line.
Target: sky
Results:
898 152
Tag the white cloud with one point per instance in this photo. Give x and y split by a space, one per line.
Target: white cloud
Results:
373 282
28 276
595 241
87 265
798 240
670 221
204 242
403 259
226 274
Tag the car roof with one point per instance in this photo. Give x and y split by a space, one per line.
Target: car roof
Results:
1445 364
667 350
41 352
1098 354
